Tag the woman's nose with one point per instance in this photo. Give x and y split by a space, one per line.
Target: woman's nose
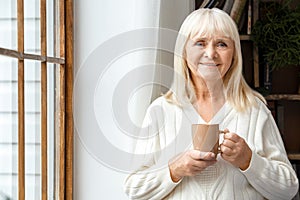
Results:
210 51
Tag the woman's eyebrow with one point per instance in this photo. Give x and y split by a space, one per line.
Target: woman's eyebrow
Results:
217 39
223 38
199 38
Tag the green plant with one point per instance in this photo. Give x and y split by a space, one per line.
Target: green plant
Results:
277 34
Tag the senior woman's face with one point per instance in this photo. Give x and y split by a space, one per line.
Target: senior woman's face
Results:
209 58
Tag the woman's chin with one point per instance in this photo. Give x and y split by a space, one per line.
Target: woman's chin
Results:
209 73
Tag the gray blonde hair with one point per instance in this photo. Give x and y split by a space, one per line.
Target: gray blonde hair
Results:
206 22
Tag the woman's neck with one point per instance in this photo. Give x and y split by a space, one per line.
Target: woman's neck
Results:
210 99
209 91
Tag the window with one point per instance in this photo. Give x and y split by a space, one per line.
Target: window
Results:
36 131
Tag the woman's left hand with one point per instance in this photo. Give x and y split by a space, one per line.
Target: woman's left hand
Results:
235 150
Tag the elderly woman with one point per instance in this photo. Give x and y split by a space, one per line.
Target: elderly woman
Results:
209 88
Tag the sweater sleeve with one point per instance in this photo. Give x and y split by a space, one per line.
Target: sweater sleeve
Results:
270 171
152 178
149 185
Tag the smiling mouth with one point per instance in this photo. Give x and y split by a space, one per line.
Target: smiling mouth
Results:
210 64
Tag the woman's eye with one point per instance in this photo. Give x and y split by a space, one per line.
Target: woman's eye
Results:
222 44
200 44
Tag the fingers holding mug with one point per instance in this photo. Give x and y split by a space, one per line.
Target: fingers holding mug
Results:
235 150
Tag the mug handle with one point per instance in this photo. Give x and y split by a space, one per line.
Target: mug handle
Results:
222 132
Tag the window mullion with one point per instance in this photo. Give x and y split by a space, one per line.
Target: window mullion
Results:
44 123
21 113
68 12
23 56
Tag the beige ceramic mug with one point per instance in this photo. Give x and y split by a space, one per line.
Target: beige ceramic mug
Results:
206 137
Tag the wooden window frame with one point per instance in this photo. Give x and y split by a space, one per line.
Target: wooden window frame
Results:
69 100
66 87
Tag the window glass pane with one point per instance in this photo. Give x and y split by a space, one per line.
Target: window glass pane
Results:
51 28
51 111
8 24
32 26
9 129
32 90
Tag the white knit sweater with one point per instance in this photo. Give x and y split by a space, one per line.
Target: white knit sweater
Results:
167 132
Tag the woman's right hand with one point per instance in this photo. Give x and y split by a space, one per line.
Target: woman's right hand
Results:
190 163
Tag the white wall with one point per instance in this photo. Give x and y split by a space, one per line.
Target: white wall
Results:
95 23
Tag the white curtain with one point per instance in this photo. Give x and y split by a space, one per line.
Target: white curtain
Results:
117 52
